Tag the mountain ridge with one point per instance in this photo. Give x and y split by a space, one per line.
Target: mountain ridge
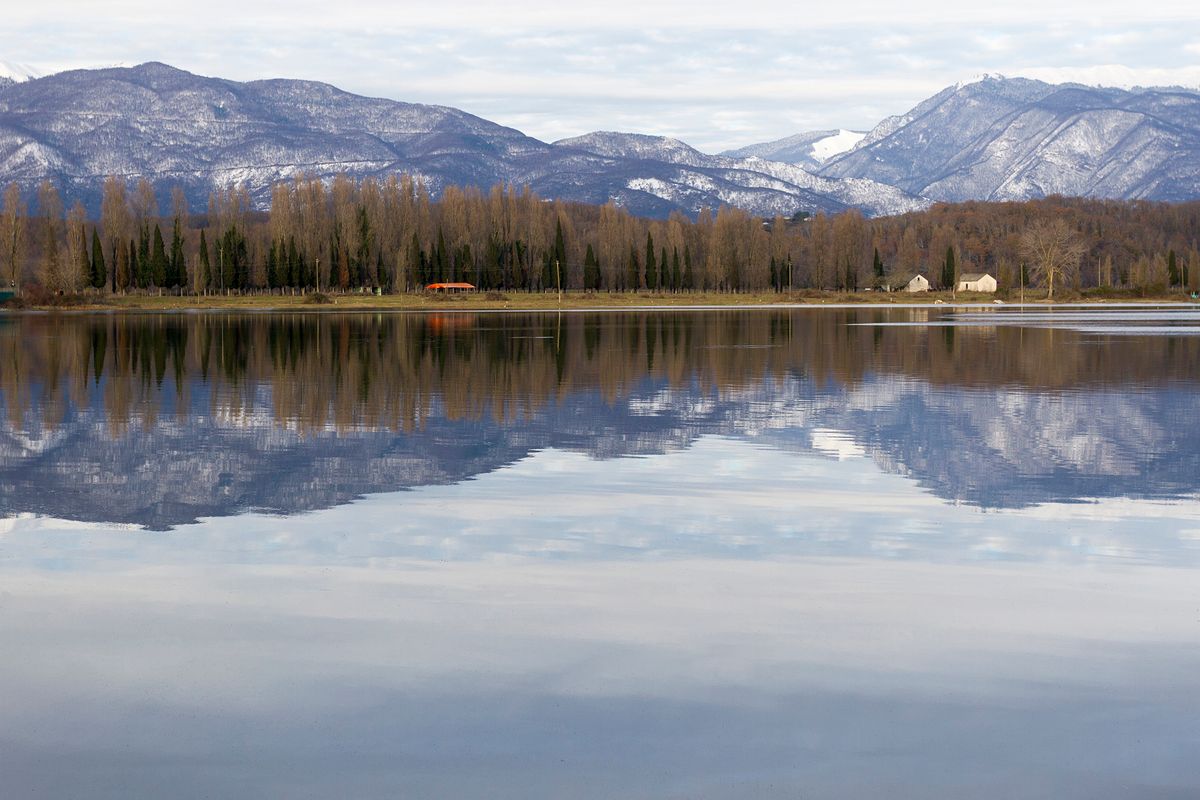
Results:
995 138
172 126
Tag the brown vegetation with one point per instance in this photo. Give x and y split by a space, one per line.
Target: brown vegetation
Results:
391 235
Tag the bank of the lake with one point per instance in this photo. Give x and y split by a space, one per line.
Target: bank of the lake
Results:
540 301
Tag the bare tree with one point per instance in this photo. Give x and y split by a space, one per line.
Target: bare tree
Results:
52 271
114 220
78 270
1053 252
12 233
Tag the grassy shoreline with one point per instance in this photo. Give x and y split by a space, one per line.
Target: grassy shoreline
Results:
523 301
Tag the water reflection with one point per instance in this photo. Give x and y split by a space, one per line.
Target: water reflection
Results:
720 555
162 419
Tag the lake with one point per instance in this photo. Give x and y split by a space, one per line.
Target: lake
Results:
797 553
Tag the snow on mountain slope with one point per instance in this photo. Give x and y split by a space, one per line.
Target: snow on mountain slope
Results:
176 128
12 72
751 175
1016 139
835 144
809 149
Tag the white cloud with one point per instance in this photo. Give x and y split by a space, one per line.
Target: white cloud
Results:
714 76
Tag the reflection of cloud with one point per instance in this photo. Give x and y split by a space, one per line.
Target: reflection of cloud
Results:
241 681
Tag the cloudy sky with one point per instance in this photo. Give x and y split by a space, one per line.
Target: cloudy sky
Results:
714 75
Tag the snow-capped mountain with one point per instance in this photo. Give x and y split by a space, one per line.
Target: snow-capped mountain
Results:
12 72
993 139
1015 139
177 128
762 186
809 150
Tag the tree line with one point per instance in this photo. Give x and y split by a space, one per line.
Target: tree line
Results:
392 235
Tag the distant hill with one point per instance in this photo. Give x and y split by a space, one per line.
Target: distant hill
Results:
994 139
1016 139
176 128
809 150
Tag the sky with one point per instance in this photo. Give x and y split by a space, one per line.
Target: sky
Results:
715 75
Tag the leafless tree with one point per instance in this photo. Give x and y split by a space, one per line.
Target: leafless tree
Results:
12 233
1053 251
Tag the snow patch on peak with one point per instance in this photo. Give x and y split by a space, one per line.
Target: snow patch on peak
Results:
840 142
18 73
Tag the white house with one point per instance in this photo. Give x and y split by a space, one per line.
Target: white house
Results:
919 283
976 282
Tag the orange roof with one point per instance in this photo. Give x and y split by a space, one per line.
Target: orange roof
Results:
450 286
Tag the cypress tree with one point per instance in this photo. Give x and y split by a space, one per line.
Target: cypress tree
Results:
689 277
948 269
633 280
774 275
178 276
85 261
560 245
99 272
651 264
591 270
676 274
273 266
142 271
877 264
205 264
158 259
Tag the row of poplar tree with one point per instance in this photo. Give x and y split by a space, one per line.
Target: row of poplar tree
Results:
346 234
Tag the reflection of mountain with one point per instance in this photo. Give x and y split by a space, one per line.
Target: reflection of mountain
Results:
153 441
951 441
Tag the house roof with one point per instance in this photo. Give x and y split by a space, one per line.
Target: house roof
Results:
973 276
901 278
450 286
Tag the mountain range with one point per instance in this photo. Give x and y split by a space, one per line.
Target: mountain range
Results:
993 139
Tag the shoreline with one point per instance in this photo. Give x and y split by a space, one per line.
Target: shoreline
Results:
572 302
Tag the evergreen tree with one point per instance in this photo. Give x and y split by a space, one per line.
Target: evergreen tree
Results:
158 260
99 271
651 264
1172 270
948 270
560 246
85 261
591 270
633 280
441 266
178 274
877 264
774 277
273 266
676 273
205 265
143 270
689 277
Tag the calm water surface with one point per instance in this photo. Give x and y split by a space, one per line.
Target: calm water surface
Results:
814 553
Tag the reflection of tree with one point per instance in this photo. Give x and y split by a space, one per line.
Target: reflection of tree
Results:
394 371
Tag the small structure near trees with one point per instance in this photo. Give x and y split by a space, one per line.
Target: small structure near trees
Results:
903 282
450 288
976 282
